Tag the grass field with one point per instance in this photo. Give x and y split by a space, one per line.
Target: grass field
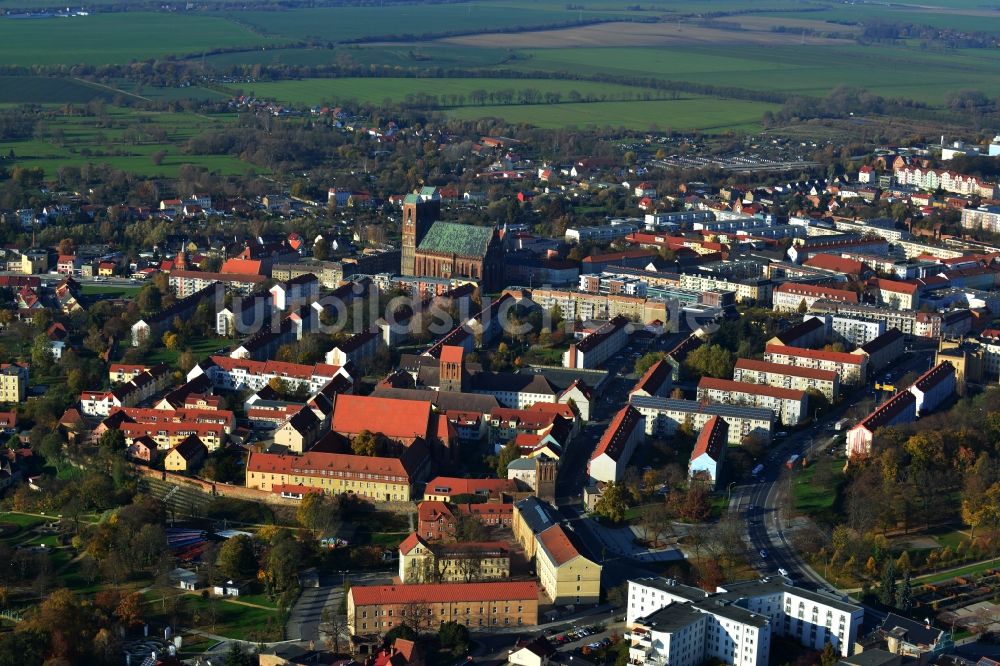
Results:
126 144
112 291
816 499
702 113
201 349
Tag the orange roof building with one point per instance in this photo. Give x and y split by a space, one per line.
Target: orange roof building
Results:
373 610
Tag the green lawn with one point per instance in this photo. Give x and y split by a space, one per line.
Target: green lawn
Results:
23 520
970 570
201 348
109 290
815 497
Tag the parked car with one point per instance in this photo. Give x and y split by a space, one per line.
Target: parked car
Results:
763 553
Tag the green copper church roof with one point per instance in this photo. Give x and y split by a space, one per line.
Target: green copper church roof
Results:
462 239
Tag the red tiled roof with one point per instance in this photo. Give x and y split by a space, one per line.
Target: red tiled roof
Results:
887 411
934 376
394 418
898 287
796 289
557 544
712 439
315 462
410 542
453 485
296 370
390 595
451 354
818 354
619 430
242 266
728 385
832 262
654 377
782 369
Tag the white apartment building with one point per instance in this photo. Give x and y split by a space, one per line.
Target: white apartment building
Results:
735 623
854 330
663 416
244 374
599 346
986 218
790 406
790 296
752 371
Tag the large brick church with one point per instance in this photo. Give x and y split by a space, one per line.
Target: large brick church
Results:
447 249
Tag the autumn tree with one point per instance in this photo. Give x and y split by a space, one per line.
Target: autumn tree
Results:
236 557
612 503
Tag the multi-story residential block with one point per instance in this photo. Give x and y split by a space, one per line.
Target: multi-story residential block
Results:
852 368
375 609
185 282
579 305
599 346
153 327
142 386
421 561
655 382
812 332
244 374
741 620
357 349
986 218
790 406
709 454
664 416
852 330
603 232
933 387
747 290
792 377
790 296
900 408
897 295
949 181
566 575
297 291
884 349
616 445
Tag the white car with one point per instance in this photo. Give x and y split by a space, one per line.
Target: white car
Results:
783 572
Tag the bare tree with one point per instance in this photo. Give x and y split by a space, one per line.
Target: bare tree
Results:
470 567
333 628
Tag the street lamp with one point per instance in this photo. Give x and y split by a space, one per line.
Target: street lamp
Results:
729 491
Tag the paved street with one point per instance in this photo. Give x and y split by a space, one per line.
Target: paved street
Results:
759 503
305 616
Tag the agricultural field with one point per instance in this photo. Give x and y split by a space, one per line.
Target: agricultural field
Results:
336 24
49 90
313 91
118 38
133 142
689 112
